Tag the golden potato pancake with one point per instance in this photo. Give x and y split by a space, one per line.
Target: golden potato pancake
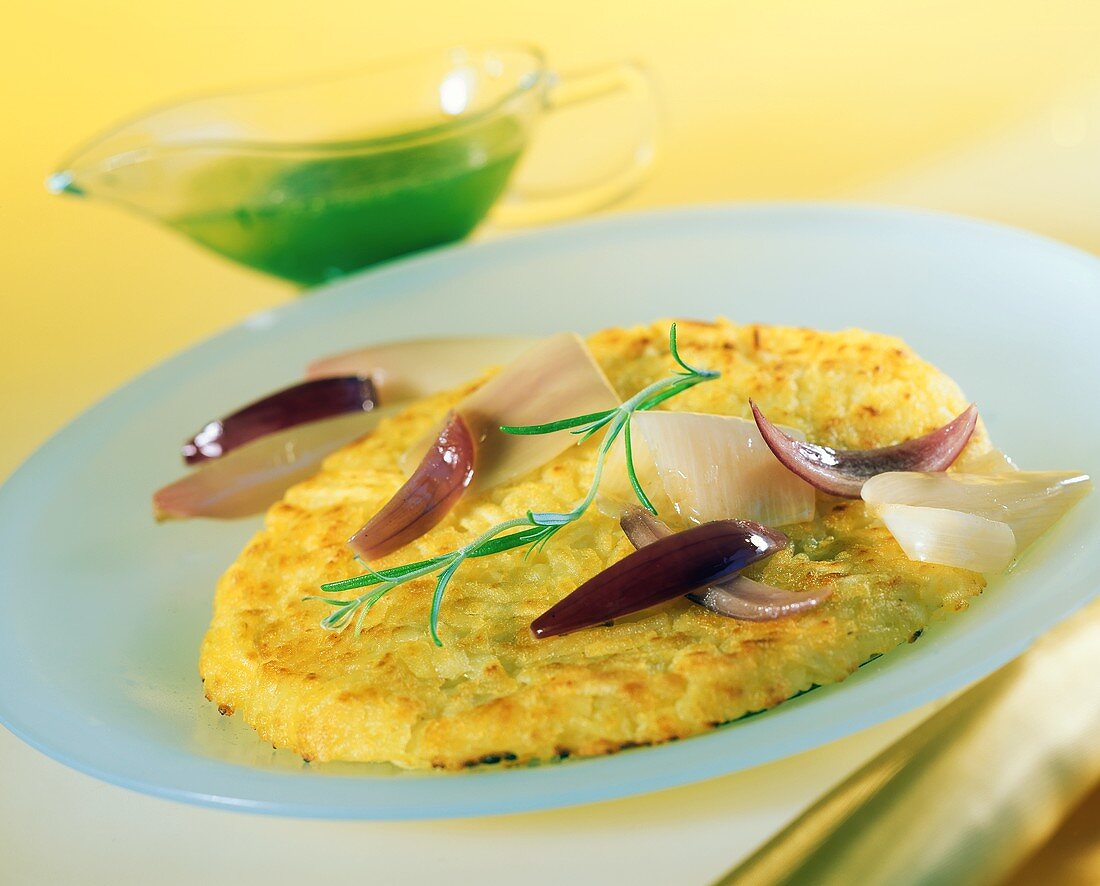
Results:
493 693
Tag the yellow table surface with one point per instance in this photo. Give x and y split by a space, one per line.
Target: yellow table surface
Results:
982 107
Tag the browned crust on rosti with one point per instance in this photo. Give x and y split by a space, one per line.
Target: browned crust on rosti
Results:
493 694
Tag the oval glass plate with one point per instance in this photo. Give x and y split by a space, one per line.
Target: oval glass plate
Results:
99 636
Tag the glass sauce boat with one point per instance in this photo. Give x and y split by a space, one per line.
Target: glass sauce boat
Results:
312 180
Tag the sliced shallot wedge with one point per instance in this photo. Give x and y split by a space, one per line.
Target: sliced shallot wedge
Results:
843 472
425 498
705 467
738 597
299 404
255 476
556 378
405 370
668 568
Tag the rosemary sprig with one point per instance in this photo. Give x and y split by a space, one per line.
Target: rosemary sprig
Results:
532 531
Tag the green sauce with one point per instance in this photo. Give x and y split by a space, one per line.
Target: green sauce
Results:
311 220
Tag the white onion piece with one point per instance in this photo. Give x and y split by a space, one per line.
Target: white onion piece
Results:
411 369
249 479
707 467
1029 502
950 538
992 461
557 378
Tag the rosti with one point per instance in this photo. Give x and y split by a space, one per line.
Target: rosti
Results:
493 693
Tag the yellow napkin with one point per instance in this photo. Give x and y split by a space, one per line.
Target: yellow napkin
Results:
968 794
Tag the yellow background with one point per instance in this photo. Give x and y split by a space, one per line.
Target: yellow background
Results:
766 99
990 107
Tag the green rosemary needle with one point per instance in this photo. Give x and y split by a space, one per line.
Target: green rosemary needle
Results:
534 529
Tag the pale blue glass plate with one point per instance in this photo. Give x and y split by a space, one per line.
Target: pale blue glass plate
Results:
101 611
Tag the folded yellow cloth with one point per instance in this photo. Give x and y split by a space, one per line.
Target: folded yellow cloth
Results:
967 795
